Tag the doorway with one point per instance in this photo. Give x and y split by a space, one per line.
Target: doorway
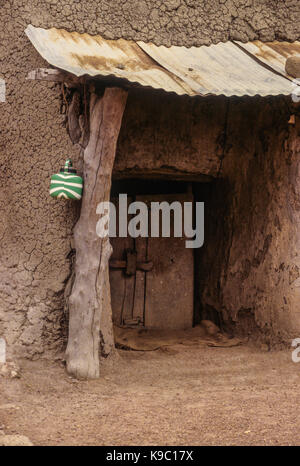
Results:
152 279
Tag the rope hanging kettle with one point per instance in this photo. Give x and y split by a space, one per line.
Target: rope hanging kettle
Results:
66 184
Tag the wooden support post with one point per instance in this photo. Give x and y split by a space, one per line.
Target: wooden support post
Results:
90 297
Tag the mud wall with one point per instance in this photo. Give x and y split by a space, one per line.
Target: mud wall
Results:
263 261
35 231
167 22
253 267
162 133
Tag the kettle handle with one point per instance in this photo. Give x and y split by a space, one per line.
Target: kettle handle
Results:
68 164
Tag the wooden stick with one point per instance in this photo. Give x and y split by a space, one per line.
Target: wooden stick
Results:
54 75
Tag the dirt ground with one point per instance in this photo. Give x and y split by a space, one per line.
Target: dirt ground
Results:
181 396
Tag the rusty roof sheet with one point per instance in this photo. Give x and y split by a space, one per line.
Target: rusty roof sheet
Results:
223 69
272 54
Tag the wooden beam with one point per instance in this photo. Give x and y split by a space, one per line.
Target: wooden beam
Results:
54 75
119 264
90 296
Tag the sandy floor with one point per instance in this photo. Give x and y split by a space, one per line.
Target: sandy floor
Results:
196 396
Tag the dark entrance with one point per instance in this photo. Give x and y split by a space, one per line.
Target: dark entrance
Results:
153 279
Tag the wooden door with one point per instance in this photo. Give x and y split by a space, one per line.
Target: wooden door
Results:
159 291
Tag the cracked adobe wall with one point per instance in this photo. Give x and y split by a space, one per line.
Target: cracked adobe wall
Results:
35 231
253 272
167 22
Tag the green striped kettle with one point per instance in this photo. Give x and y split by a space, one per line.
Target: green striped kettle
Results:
66 184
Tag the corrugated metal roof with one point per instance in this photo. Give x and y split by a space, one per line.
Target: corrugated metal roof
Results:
273 54
223 69
218 69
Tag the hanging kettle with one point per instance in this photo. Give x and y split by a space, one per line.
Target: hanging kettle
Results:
66 184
